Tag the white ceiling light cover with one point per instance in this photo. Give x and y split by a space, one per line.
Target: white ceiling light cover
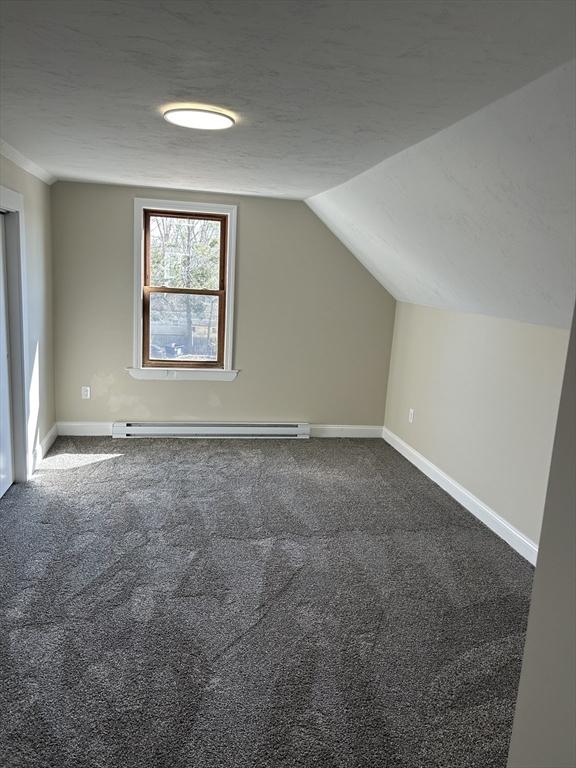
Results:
199 119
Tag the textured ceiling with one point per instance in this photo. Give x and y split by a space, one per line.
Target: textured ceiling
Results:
323 90
481 216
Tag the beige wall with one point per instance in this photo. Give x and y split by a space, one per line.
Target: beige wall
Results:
313 328
485 393
543 733
36 196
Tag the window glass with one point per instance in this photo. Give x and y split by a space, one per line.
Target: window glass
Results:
184 252
183 327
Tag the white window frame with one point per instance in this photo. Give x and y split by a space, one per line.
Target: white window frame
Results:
138 371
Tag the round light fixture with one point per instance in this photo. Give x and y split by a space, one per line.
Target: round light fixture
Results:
201 119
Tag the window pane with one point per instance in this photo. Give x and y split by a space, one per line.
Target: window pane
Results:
183 327
184 253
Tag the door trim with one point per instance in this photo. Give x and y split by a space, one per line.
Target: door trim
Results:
23 432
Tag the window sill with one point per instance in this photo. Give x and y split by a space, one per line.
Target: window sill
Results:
182 374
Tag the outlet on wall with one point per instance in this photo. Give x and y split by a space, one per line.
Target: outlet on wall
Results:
410 415
85 393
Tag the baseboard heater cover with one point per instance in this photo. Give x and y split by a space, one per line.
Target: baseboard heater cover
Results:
212 429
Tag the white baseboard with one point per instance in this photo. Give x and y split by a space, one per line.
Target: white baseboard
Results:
517 540
85 428
104 428
44 445
344 430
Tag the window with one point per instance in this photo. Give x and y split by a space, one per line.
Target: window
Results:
184 290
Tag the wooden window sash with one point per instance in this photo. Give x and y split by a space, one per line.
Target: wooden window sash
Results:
148 362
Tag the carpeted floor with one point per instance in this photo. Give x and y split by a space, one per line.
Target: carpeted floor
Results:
252 604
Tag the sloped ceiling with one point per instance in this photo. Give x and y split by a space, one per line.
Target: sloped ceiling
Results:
323 89
481 216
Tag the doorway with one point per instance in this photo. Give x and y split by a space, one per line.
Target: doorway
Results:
6 449
16 438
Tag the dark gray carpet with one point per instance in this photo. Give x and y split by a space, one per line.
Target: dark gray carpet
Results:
252 604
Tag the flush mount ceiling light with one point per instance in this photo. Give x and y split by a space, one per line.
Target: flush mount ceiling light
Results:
201 119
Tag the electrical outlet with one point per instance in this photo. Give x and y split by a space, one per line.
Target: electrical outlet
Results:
85 393
410 415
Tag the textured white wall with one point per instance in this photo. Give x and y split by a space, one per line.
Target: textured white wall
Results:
478 218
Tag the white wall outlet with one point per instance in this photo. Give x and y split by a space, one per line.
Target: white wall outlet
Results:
86 393
410 415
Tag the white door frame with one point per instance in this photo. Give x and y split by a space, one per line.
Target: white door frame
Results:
17 297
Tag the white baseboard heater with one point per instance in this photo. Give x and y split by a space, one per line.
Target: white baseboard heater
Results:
211 429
